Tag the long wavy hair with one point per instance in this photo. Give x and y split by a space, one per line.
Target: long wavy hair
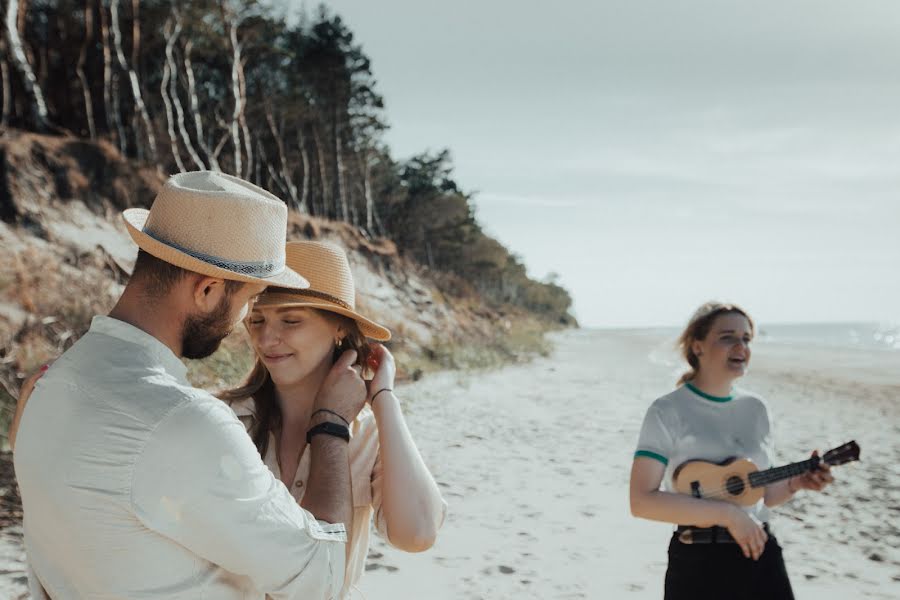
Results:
698 328
259 385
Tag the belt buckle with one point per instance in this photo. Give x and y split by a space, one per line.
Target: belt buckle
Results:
686 536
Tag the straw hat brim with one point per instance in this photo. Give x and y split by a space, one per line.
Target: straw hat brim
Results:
367 327
135 218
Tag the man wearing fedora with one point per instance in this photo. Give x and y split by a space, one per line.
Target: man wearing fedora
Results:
136 484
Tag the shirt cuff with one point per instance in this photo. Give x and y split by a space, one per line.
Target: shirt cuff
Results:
330 532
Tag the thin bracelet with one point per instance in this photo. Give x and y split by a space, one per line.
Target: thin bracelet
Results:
372 401
330 412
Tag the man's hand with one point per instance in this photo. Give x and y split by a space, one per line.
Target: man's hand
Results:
343 390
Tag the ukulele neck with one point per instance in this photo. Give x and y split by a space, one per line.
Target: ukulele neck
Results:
769 476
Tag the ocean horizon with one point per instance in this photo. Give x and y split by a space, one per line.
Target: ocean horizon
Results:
860 335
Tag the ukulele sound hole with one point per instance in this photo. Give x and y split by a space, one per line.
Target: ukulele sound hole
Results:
734 485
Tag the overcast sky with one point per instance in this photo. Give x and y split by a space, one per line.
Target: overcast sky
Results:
656 154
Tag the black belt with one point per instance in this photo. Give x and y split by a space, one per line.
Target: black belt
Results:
688 534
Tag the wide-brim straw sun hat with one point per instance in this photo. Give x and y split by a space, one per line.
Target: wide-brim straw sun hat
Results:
331 285
217 225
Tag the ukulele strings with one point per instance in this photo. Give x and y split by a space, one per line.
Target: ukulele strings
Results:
721 491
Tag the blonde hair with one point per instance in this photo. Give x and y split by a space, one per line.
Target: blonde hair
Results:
259 385
699 327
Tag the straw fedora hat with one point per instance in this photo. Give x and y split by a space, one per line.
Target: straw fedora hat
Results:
330 285
217 225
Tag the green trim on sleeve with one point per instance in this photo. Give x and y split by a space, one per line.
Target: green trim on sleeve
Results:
653 455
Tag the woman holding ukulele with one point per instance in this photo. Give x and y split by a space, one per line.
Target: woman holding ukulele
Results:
720 550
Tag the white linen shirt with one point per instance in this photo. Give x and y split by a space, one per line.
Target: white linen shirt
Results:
137 485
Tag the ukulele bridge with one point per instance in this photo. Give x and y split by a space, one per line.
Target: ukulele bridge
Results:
695 489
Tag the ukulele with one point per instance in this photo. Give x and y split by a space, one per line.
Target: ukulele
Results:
739 481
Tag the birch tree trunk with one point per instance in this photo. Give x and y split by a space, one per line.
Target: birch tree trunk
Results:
79 68
113 119
195 108
274 176
289 186
135 57
140 107
235 91
173 92
170 33
366 169
242 119
339 199
323 173
7 88
304 156
20 61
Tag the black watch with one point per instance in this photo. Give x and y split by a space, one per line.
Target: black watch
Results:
329 428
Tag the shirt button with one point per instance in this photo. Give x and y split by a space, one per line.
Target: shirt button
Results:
299 484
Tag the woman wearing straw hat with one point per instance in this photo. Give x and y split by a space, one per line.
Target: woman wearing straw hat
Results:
726 551
297 335
136 484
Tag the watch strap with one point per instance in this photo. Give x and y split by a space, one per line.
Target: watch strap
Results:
328 428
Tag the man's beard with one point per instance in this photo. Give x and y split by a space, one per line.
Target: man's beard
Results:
202 334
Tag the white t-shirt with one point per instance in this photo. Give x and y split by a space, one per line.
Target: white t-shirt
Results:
688 424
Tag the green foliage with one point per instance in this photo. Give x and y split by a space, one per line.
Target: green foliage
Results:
435 224
291 107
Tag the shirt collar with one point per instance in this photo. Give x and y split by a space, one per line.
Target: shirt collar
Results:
129 333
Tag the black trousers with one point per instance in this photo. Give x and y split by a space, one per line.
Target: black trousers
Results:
720 572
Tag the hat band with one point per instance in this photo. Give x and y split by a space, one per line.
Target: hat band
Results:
320 296
262 269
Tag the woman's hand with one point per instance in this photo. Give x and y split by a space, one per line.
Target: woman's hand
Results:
381 361
747 531
815 481
24 394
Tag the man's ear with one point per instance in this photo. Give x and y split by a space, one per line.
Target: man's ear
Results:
207 292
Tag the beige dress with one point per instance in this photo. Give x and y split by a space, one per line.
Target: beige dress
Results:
365 479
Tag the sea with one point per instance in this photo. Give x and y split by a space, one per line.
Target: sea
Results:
864 336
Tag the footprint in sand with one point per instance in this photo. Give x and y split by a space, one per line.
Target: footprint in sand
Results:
376 566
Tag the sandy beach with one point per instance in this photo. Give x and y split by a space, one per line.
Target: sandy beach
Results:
534 462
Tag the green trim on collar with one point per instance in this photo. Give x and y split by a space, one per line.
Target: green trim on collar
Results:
653 455
703 394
